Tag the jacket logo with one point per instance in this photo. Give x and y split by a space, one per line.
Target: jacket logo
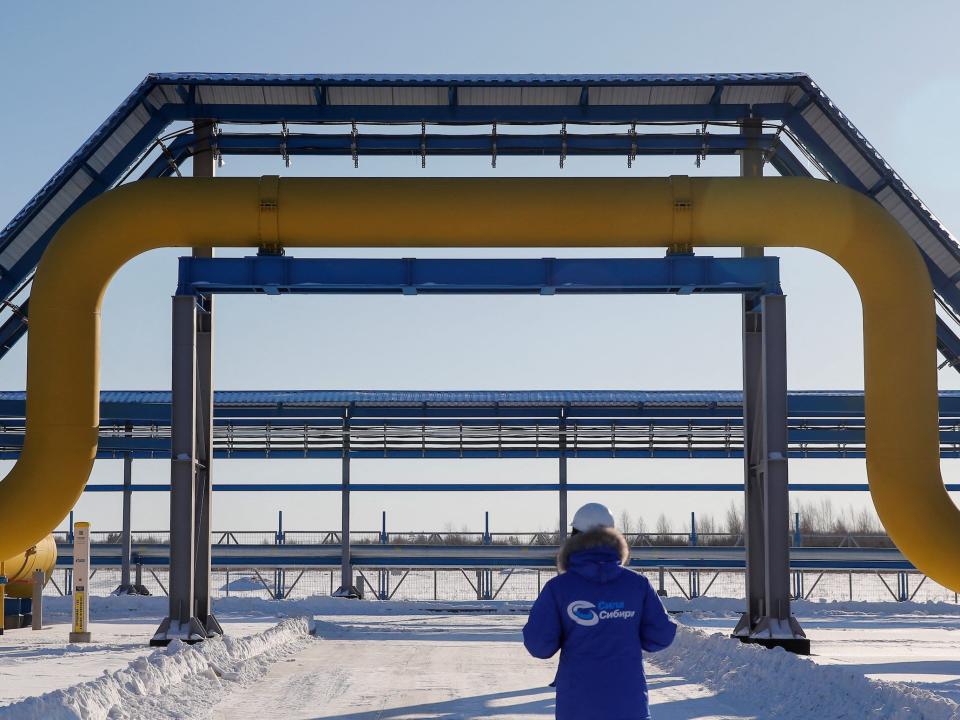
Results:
583 613
587 614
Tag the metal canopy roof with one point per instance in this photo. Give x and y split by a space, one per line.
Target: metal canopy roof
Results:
791 99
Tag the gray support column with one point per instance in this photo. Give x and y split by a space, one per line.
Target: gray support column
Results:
125 537
751 165
776 499
768 620
126 586
204 165
563 475
347 588
181 622
753 539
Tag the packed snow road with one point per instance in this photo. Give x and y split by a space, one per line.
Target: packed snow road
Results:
370 668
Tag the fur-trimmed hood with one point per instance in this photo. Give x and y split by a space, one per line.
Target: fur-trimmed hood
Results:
607 538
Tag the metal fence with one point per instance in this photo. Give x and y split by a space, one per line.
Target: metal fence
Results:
520 584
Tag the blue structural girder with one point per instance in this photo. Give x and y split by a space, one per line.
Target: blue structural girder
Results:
504 144
479 424
789 100
681 274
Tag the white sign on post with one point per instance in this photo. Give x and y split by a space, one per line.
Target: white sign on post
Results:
81 582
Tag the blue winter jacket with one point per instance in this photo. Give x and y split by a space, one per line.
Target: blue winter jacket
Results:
601 617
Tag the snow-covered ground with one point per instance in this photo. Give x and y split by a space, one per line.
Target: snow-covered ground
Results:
406 660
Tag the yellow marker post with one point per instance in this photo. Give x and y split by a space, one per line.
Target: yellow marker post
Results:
81 583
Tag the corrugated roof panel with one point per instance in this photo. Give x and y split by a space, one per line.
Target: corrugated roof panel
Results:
359 95
928 242
757 94
550 96
420 95
538 95
46 217
496 95
170 94
230 95
118 139
289 95
653 95
833 136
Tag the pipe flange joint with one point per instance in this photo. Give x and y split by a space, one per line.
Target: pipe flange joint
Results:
268 216
682 214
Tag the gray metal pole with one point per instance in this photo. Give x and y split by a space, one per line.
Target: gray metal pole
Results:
751 165
776 500
204 166
126 543
563 475
181 623
768 620
753 532
346 588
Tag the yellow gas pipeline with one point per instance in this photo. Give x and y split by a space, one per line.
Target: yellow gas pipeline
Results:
898 312
20 568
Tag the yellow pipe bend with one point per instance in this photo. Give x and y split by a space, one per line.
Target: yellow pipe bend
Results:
898 311
19 569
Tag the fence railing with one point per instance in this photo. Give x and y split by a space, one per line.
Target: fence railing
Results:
457 537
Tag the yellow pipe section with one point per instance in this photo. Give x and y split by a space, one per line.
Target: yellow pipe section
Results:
20 568
898 311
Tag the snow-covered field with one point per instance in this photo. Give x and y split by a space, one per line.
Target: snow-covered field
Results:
406 660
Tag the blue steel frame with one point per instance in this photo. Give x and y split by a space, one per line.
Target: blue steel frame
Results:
821 424
163 99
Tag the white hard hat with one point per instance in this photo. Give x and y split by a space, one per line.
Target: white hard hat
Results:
592 516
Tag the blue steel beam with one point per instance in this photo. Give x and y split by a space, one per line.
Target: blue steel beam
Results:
948 344
621 144
260 144
682 274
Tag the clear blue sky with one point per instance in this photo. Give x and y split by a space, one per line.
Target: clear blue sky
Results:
889 66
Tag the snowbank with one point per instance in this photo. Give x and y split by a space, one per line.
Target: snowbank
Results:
788 686
177 681
722 607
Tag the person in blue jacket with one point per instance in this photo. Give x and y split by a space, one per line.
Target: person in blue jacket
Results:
601 616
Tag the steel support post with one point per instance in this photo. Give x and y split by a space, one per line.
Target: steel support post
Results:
204 165
562 443
768 620
126 587
182 622
125 535
347 588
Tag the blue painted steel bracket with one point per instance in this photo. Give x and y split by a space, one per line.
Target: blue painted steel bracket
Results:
681 274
